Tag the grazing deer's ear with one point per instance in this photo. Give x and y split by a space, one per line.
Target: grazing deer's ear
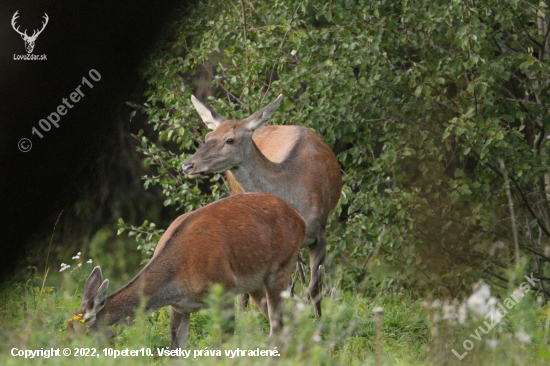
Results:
209 116
97 301
92 284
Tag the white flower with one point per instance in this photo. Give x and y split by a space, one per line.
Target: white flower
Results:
449 313
492 343
477 302
317 337
300 306
522 336
89 261
64 266
285 294
436 303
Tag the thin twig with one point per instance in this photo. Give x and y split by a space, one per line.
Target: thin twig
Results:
244 24
280 48
520 191
46 269
511 209
374 250
537 253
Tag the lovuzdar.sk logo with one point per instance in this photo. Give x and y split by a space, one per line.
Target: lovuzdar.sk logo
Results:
29 40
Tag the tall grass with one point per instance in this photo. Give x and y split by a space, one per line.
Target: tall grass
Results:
411 331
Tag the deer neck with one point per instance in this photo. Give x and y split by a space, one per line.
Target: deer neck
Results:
120 307
257 173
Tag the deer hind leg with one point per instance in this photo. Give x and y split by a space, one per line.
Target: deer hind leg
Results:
179 328
317 253
275 284
259 298
242 302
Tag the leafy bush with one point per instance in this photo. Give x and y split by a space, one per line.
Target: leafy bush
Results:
433 107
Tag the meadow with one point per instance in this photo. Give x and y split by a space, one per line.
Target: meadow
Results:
438 114
381 326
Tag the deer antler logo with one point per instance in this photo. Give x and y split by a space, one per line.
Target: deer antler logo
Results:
29 40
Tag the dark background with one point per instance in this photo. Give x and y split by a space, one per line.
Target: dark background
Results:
112 37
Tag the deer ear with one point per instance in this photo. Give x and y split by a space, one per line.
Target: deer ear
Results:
261 117
209 116
97 301
92 284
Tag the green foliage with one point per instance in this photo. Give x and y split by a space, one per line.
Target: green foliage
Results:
35 318
421 99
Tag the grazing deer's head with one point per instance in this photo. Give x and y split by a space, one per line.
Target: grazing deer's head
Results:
29 40
93 300
225 147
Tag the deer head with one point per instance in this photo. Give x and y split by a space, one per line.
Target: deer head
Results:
93 300
225 146
29 40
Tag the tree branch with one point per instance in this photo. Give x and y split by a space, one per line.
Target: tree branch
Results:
511 209
520 191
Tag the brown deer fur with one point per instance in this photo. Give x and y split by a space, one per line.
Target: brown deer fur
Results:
291 162
247 243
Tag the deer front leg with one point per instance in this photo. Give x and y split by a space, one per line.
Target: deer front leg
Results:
317 253
179 328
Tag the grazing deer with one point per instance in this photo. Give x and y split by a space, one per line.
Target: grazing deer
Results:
247 243
29 40
291 162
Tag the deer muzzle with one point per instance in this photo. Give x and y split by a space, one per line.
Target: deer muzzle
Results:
188 168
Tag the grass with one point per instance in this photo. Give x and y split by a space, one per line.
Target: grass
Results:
408 333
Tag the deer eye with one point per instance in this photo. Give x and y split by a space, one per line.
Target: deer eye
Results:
229 141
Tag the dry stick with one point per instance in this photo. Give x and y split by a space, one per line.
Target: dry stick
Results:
46 269
301 271
535 258
293 282
511 208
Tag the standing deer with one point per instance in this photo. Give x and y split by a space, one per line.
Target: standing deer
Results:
29 40
246 243
291 162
